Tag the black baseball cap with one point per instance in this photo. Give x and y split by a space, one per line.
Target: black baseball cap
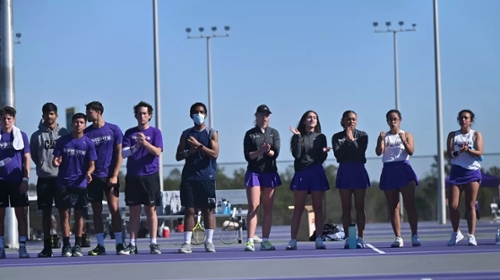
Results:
263 109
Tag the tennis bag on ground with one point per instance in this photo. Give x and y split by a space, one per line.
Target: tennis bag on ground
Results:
55 241
329 233
85 240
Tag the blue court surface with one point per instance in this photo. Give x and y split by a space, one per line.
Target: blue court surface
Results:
433 260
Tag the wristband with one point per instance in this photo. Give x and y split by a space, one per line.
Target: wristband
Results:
26 179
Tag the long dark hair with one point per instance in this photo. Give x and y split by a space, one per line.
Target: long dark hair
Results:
301 127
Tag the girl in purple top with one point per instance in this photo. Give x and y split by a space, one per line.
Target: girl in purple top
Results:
261 147
309 148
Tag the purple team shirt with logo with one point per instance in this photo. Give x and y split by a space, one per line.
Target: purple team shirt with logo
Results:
13 170
105 140
76 156
142 162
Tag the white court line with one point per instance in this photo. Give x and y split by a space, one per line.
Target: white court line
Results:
375 249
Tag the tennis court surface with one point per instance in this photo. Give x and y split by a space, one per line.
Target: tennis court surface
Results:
433 260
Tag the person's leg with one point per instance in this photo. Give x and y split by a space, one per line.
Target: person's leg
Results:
346 203
392 197
408 193
133 198
188 201
206 201
299 198
95 194
471 191
80 208
4 202
359 204
112 195
454 193
253 198
45 191
317 203
63 205
151 185
267 219
19 201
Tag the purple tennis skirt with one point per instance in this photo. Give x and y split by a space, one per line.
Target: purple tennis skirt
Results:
461 176
312 178
397 174
264 180
352 175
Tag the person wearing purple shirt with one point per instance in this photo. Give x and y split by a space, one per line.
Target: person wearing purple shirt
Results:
75 156
142 145
107 139
14 176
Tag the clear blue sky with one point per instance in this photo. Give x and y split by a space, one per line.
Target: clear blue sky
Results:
291 55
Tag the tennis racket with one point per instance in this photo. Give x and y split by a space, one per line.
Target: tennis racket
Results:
229 233
199 235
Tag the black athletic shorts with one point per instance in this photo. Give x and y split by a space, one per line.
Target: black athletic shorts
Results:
198 194
46 192
98 186
9 192
142 190
71 198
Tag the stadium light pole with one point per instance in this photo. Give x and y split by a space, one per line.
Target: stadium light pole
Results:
156 50
439 113
394 32
209 63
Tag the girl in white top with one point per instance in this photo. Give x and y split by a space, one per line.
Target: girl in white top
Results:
465 149
396 146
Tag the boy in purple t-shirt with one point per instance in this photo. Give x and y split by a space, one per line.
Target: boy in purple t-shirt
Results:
14 176
75 156
107 139
142 145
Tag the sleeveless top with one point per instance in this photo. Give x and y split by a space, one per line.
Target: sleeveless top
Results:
199 166
394 150
465 160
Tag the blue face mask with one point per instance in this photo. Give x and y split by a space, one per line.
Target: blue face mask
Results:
198 118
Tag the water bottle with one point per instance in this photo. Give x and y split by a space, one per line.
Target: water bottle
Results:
497 237
228 207
219 208
5 161
352 236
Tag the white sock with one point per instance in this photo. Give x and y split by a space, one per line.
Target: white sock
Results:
210 235
100 239
132 241
153 240
118 237
2 244
264 240
250 240
187 237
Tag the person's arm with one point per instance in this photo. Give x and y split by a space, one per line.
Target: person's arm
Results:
156 145
274 152
26 157
478 147
34 145
92 157
247 149
338 149
296 145
57 153
322 143
214 142
408 143
118 151
379 149
127 148
362 142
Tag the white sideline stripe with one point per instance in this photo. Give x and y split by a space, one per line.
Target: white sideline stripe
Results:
375 249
